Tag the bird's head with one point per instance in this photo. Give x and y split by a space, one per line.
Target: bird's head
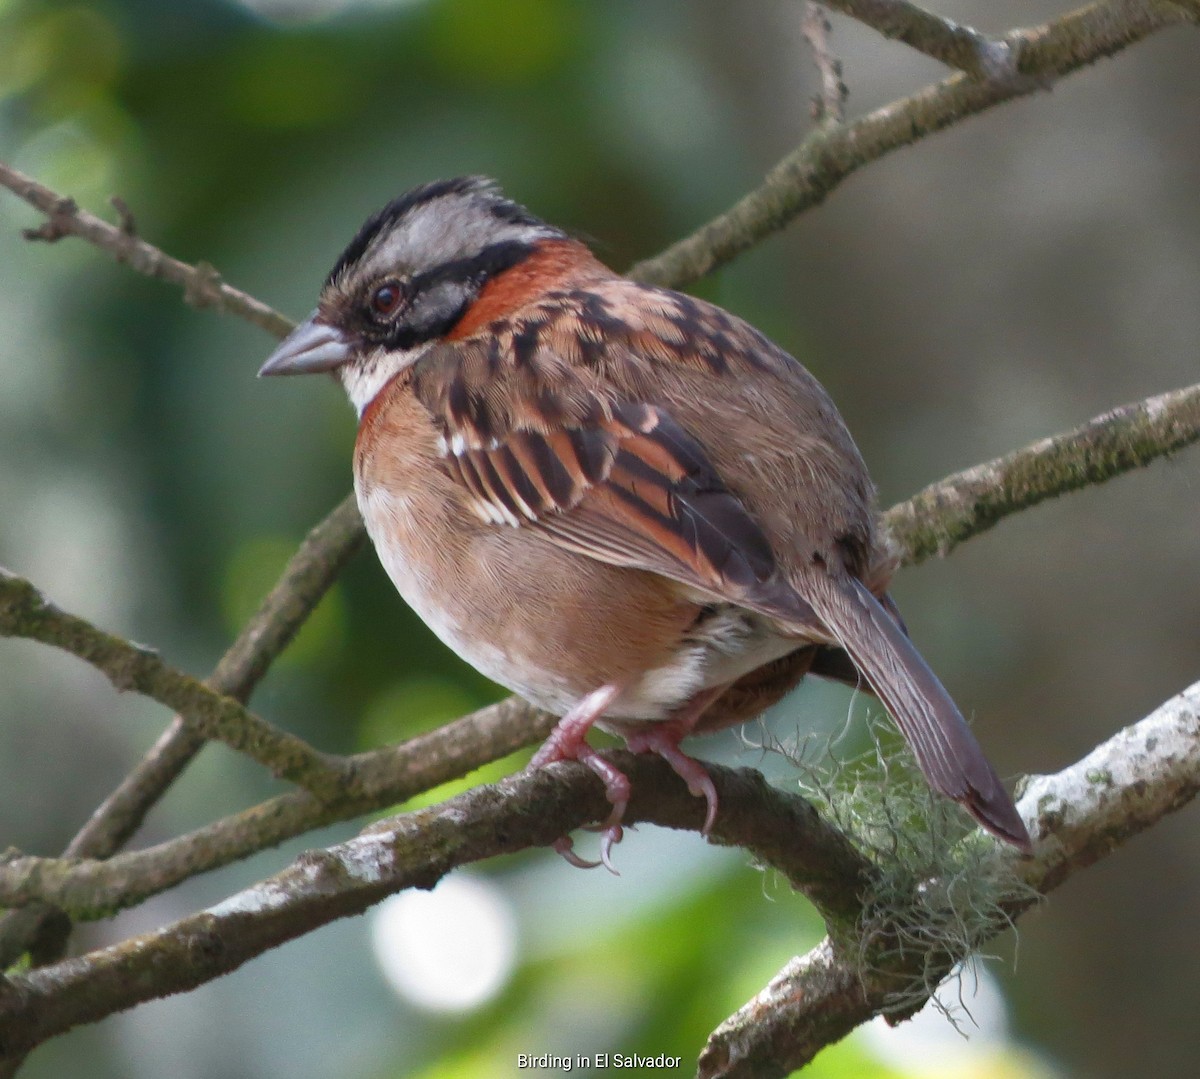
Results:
406 279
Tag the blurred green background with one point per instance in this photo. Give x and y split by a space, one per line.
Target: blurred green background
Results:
1006 280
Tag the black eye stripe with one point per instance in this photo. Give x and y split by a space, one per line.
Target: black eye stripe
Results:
432 302
473 269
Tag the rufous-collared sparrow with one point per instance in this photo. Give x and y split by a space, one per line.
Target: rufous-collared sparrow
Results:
622 503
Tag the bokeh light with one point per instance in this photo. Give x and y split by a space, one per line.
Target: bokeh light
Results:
451 949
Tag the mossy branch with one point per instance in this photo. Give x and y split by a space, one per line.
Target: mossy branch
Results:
1076 817
944 514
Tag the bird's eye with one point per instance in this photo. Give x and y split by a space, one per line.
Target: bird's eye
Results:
386 298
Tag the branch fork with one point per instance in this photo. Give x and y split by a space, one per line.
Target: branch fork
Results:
1124 786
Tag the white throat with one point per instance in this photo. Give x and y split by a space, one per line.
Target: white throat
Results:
364 379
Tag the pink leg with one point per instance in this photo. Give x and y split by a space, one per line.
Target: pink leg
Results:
663 738
568 742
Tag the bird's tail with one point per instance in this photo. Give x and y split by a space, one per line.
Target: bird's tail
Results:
946 751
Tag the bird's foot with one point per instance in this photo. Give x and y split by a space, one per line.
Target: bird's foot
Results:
568 742
663 739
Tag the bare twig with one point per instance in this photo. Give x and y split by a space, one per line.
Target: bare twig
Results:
832 153
1076 817
202 285
980 56
125 219
25 612
937 519
830 106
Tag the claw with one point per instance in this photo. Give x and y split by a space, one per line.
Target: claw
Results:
565 847
611 836
663 739
704 787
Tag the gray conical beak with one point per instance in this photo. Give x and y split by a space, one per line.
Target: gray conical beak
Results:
311 347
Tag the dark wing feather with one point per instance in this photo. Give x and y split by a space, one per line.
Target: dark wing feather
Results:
621 482
946 750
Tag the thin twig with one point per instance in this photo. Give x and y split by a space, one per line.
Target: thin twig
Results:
832 153
979 55
830 106
202 285
25 612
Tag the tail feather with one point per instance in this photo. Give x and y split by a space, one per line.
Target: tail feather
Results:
946 750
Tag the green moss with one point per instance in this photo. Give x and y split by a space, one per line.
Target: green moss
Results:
941 889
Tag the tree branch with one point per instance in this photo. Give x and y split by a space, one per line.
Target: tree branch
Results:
25 612
202 285
980 56
939 518
415 850
1076 817
832 153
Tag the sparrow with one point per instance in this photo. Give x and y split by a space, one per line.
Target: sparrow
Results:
623 503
